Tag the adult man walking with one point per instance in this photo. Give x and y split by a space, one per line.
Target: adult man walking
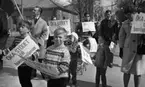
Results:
107 28
39 31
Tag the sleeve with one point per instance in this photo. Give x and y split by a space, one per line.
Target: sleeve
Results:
45 31
101 29
44 34
122 36
115 31
5 22
78 29
7 50
13 44
108 56
63 66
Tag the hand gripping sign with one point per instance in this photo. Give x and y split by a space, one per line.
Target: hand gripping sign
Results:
24 49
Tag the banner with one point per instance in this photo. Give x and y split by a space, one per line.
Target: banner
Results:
88 26
53 25
85 54
49 64
44 68
138 24
24 49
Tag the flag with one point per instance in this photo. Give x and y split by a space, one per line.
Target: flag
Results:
8 6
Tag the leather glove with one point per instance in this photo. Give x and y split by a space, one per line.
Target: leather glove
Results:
121 53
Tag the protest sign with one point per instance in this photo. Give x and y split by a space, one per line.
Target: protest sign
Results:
24 49
44 68
49 65
53 25
138 24
88 26
85 54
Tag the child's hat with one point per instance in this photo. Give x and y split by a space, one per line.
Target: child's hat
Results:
75 35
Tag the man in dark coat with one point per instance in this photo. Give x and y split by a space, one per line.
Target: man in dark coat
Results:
108 28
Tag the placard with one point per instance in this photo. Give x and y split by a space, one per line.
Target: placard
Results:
88 26
44 68
138 24
25 49
53 25
85 54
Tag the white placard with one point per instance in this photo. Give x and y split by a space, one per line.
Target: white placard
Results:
44 68
25 49
88 26
85 54
138 24
53 25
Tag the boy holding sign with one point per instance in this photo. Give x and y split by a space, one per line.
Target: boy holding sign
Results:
57 59
25 79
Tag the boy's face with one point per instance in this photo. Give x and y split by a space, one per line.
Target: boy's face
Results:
23 29
59 37
87 17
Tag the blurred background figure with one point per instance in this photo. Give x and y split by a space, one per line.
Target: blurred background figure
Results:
39 31
108 28
3 32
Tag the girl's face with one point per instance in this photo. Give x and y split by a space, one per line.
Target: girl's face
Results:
59 37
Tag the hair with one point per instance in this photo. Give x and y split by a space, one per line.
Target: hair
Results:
60 29
107 11
26 23
40 9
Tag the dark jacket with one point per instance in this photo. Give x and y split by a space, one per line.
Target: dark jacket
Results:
3 23
103 56
108 30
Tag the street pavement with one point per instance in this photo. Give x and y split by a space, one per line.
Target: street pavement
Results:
9 77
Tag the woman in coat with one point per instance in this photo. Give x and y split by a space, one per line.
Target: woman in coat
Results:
132 63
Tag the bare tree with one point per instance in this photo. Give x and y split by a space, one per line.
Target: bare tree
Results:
98 10
83 6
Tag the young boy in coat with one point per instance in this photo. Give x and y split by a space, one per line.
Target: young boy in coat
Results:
103 58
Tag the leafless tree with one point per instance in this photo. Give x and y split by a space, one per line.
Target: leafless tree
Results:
83 6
